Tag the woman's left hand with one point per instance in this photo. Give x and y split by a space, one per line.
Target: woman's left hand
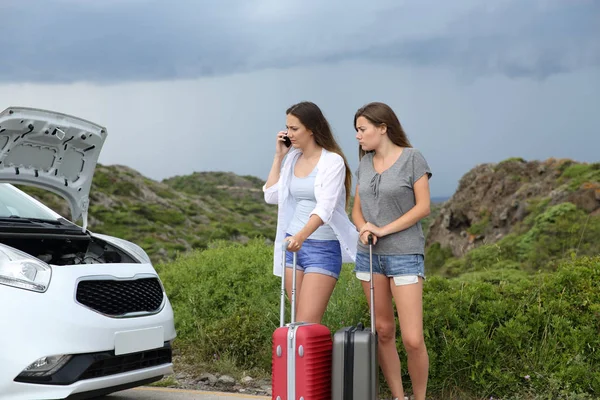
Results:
294 243
375 230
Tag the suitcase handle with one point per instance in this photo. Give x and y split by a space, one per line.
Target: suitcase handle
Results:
372 289
282 300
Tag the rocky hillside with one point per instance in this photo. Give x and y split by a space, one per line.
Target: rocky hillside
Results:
174 215
181 213
493 200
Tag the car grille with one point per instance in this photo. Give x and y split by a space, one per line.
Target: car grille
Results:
117 298
128 362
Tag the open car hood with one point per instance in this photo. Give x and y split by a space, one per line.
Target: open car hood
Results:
52 151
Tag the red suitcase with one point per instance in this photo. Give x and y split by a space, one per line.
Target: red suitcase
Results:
302 351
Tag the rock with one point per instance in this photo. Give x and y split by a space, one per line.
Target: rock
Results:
586 199
226 379
247 379
506 191
445 218
267 389
206 377
521 212
242 239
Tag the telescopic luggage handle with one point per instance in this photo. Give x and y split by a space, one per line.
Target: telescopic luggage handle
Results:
370 240
282 300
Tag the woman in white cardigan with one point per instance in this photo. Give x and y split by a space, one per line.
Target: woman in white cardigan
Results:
310 182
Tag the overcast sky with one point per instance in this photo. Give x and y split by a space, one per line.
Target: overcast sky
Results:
186 86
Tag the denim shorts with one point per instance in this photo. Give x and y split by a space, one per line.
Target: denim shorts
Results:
405 268
318 256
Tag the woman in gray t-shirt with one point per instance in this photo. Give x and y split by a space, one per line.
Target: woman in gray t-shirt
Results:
392 196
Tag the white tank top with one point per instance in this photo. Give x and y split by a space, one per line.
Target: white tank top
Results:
303 192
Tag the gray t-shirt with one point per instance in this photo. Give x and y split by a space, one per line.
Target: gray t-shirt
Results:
386 197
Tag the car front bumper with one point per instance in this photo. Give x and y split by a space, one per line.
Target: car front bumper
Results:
35 325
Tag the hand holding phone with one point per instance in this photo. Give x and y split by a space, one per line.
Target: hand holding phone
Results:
283 139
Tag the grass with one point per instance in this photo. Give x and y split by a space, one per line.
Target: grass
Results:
578 174
526 306
548 236
168 381
485 330
480 226
174 216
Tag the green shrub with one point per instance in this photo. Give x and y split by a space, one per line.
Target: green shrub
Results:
498 332
554 234
480 226
453 267
225 301
513 160
535 207
435 257
578 174
495 332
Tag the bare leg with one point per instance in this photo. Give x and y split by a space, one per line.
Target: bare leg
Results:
409 303
314 296
386 332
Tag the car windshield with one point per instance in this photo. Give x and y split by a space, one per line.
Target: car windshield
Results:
14 203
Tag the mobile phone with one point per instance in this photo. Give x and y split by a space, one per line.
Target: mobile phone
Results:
287 141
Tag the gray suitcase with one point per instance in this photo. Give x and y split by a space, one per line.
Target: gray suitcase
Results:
354 360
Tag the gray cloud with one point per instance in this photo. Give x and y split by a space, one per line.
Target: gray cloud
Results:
229 123
133 40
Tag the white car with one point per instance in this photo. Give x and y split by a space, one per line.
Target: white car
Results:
81 314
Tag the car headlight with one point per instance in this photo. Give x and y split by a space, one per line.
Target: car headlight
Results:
20 270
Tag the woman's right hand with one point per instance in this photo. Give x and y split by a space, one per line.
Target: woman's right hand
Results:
280 148
364 238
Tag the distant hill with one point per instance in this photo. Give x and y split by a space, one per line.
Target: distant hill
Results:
492 201
439 199
526 212
177 214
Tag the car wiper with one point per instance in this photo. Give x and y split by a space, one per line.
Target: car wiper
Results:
66 222
19 219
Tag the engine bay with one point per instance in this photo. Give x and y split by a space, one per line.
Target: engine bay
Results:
69 251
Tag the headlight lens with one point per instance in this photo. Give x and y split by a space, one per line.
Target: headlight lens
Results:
20 270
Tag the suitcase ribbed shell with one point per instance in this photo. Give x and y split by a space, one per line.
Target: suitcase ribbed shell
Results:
312 356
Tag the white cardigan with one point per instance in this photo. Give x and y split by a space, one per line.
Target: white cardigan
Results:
330 194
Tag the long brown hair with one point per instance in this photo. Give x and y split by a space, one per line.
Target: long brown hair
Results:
381 114
313 119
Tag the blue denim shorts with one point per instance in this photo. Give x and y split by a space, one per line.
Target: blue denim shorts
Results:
405 268
318 256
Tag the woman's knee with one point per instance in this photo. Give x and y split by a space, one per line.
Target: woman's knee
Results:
413 342
386 331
